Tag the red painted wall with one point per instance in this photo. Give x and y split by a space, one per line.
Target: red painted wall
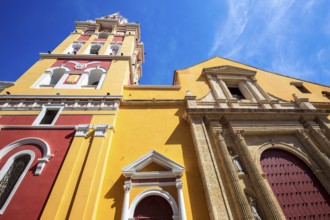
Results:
31 196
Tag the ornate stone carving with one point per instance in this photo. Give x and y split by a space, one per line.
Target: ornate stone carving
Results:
254 210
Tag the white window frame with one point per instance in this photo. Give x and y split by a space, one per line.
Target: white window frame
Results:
43 112
87 51
5 168
70 49
109 49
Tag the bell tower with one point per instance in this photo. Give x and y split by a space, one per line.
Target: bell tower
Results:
62 112
99 57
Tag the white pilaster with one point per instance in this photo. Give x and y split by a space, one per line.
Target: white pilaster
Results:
127 188
182 208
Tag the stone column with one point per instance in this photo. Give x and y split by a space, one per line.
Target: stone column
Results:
125 211
182 208
313 151
217 91
321 139
271 209
242 206
212 183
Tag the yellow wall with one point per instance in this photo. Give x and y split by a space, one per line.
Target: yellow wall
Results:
138 131
192 80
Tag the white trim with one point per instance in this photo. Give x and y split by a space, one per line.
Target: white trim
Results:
156 192
43 112
5 168
46 154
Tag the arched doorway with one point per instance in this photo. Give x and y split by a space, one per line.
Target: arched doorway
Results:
153 207
298 191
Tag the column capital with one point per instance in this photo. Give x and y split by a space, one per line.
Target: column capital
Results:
218 132
179 184
127 187
239 134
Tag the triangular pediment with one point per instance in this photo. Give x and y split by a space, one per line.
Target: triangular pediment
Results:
152 165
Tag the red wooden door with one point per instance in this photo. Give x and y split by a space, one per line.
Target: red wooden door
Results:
153 208
297 190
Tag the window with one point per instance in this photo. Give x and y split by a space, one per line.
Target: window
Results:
51 77
326 94
95 77
48 115
236 92
95 48
89 31
113 49
300 87
74 48
12 174
103 35
56 76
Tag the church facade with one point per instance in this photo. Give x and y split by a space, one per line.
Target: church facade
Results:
80 139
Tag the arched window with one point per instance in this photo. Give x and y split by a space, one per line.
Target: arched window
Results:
95 77
12 174
103 35
57 75
74 48
298 191
153 207
95 48
113 49
51 77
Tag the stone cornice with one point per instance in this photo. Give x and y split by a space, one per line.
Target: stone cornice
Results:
148 102
84 56
160 87
255 111
228 70
107 97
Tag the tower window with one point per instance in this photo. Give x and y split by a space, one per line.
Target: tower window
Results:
48 115
103 35
89 31
236 92
113 49
95 48
95 77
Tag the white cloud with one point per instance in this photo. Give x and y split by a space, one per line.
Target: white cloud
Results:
278 35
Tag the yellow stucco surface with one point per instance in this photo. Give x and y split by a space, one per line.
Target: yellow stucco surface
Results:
138 131
192 79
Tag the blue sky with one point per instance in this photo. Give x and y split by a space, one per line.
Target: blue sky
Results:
290 37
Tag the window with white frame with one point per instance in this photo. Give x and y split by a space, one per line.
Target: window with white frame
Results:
12 174
73 48
113 49
48 115
51 77
103 35
94 48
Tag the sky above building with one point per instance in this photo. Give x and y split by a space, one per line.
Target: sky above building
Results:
289 37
